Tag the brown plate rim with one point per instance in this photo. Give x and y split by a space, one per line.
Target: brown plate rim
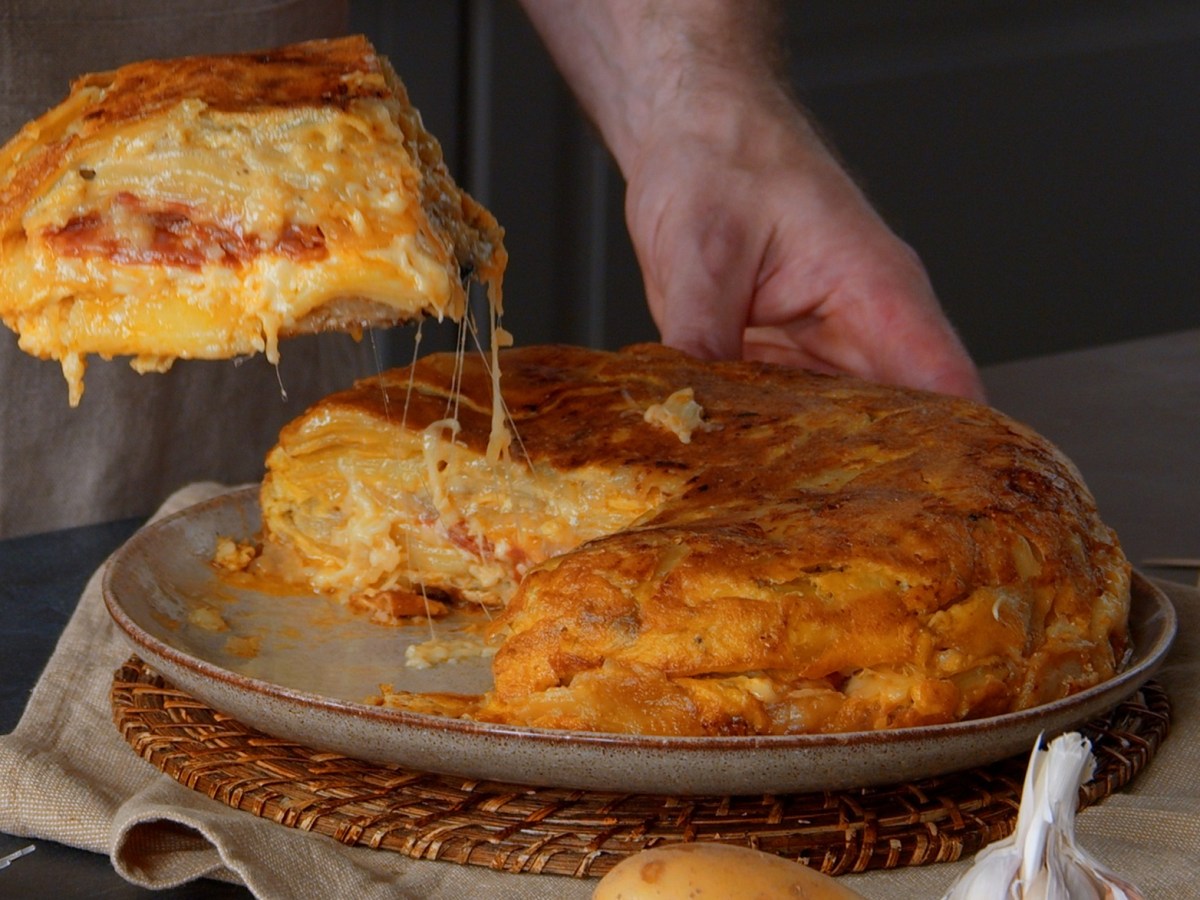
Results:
1146 661
594 760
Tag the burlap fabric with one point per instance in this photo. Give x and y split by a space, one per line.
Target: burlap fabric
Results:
66 775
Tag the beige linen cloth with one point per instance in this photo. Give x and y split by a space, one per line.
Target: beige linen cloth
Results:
66 775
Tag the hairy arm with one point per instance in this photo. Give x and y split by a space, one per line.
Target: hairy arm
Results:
753 241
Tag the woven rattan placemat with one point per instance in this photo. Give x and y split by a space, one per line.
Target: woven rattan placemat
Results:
582 833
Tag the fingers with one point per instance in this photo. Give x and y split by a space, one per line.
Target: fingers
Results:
928 355
903 334
881 321
703 303
699 262
866 310
766 249
937 361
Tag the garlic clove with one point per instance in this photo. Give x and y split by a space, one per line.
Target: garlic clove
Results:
1040 859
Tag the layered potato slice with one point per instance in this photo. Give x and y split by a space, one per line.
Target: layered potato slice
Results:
386 492
205 207
786 553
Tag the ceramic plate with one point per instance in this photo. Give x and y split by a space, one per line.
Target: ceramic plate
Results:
300 668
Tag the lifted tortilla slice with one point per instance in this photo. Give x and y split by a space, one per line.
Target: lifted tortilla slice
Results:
205 207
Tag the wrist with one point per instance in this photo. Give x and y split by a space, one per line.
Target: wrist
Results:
734 129
698 85
634 64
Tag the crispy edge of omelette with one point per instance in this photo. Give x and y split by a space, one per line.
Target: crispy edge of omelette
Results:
933 548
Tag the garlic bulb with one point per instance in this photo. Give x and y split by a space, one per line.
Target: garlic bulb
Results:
1040 860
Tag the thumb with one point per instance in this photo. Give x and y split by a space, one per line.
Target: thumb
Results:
700 288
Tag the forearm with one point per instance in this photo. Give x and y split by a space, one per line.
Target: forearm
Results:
752 239
628 61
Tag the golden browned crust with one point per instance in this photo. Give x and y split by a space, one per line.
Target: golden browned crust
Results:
99 214
825 554
316 73
477 238
321 73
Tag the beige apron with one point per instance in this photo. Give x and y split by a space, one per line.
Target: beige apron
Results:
135 438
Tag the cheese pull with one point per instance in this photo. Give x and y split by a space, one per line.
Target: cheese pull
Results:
679 871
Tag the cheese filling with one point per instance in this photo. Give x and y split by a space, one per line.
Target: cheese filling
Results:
419 511
679 413
205 234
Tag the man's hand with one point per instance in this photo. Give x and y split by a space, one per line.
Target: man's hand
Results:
752 240
754 243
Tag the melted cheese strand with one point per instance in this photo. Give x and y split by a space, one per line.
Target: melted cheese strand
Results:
500 438
377 358
411 370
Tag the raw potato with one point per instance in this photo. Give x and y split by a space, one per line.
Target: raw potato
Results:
717 871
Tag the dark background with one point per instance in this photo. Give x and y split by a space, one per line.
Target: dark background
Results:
1040 156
